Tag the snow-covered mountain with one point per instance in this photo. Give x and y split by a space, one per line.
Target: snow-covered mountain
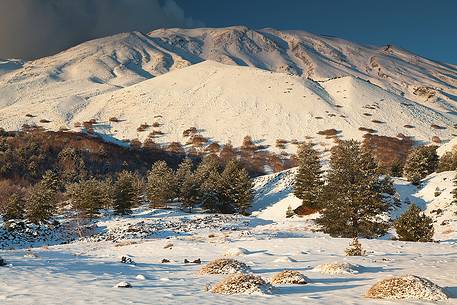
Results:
298 84
320 57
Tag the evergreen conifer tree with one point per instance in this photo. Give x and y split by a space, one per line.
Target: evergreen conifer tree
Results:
88 197
14 207
308 181
290 212
41 203
126 193
421 161
187 187
413 225
161 186
353 196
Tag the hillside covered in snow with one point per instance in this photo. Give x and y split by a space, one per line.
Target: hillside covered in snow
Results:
297 85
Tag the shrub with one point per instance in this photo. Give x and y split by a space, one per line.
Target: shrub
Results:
224 266
408 287
242 284
369 130
288 277
413 225
336 268
434 126
355 248
328 132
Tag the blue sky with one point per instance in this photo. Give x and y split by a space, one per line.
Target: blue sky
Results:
428 28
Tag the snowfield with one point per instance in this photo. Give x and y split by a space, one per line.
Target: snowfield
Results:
156 243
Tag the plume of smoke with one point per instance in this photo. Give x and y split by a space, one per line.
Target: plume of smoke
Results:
36 28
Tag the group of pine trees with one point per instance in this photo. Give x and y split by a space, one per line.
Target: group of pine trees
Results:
351 197
218 188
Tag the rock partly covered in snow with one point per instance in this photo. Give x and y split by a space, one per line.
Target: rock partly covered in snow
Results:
224 266
242 284
408 287
123 285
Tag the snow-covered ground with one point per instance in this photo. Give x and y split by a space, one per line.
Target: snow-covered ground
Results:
86 271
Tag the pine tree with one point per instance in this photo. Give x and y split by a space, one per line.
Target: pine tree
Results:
237 186
211 192
290 212
187 187
244 195
88 197
355 248
413 225
308 181
126 193
51 180
14 207
161 186
421 161
353 200
41 203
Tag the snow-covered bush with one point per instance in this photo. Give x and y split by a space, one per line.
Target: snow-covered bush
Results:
224 266
289 277
336 268
242 284
408 287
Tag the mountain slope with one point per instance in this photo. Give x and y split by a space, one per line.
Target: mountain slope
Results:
320 57
329 83
56 87
228 102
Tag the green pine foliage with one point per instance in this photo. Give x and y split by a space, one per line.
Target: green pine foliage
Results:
308 181
89 196
353 197
126 192
41 203
14 207
421 161
161 185
187 187
237 187
413 225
